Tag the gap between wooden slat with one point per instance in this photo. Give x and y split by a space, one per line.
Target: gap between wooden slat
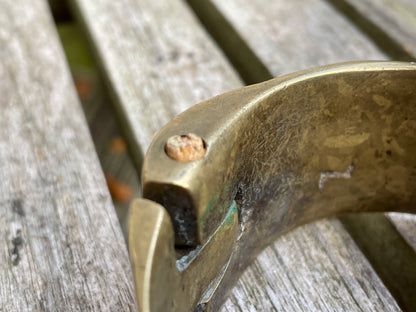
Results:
245 61
381 38
135 154
59 9
388 252
117 165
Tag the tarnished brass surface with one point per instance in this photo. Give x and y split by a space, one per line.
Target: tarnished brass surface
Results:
281 153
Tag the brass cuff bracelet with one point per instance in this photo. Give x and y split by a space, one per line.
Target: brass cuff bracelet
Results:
222 180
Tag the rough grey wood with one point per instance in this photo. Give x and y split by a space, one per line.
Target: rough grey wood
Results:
123 180
115 161
159 61
396 17
61 247
284 281
406 224
294 35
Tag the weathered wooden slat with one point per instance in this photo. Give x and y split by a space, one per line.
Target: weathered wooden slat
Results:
281 280
62 247
388 252
397 18
121 176
405 224
297 35
158 61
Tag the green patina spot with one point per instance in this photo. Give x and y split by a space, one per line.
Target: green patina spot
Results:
229 216
208 208
213 200
231 213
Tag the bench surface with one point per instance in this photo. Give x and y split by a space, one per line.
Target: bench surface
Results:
63 246
61 243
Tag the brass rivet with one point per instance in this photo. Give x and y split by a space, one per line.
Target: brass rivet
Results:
187 147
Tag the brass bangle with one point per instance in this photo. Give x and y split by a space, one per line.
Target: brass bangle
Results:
279 154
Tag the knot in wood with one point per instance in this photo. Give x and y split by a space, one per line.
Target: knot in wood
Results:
187 147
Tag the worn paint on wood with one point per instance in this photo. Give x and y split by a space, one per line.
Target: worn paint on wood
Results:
62 246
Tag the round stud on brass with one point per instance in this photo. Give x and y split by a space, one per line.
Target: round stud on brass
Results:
186 147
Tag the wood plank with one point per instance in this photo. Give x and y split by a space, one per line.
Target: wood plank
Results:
297 35
397 18
157 59
405 224
62 245
144 48
281 280
388 252
121 176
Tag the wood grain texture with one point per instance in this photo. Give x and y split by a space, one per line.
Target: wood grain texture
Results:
105 131
289 276
121 175
397 18
405 224
62 246
158 61
291 36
